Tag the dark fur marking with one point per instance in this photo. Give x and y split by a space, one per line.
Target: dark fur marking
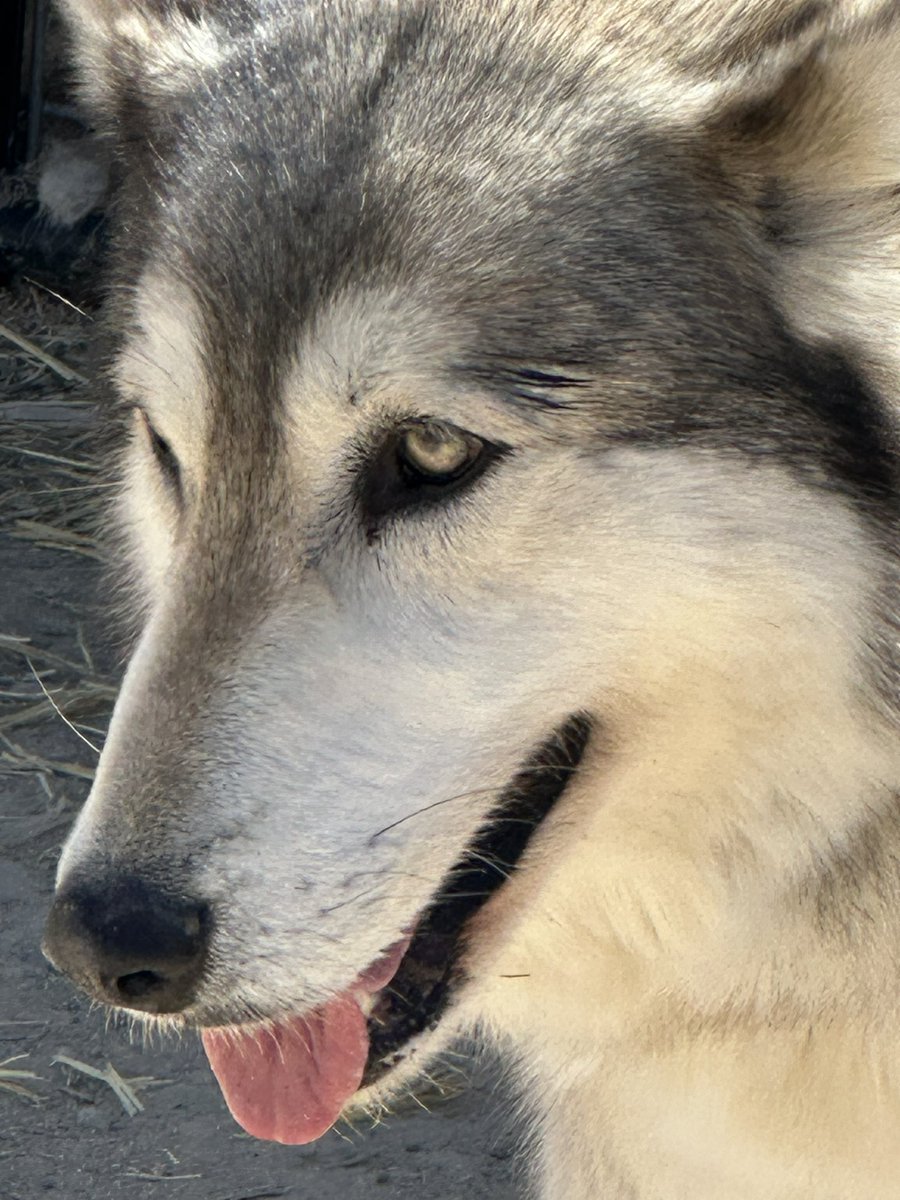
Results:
539 389
775 213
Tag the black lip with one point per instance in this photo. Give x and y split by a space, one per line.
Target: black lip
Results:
417 996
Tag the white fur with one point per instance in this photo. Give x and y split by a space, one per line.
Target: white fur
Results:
167 53
710 612
699 1004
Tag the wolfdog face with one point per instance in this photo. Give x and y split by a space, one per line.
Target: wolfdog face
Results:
469 468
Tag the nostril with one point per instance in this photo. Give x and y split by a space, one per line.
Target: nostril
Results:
130 944
140 984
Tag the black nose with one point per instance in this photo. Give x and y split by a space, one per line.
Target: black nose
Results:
129 944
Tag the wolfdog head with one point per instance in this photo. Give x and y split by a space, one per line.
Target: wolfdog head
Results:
503 563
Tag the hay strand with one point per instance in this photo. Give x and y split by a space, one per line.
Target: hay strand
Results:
123 1091
49 360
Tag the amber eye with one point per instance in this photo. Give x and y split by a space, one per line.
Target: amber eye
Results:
421 462
437 452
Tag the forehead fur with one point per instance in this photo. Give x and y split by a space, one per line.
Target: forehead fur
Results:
374 169
495 155
729 44
496 168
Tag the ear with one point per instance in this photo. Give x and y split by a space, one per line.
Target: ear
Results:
727 50
146 47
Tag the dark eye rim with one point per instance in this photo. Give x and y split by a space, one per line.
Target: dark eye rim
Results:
391 485
165 456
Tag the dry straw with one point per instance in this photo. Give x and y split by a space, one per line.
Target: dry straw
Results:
50 493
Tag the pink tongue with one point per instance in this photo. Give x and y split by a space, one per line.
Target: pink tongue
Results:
288 1083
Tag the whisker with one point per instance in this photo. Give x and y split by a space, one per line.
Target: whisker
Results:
537 769
435 804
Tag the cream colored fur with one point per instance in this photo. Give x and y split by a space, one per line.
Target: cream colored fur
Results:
697 966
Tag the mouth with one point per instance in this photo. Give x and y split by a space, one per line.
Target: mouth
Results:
288 1081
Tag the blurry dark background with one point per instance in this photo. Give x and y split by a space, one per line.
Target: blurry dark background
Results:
53 171
23 35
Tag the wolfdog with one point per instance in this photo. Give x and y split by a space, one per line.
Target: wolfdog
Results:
509 500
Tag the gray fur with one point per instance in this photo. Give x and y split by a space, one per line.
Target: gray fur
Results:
568 223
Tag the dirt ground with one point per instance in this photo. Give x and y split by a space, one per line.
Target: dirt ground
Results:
64 1132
